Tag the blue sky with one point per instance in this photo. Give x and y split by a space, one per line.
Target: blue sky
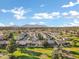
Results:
43 12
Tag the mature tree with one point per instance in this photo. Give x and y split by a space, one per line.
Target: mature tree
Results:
75 42
11 47
40 36
45 44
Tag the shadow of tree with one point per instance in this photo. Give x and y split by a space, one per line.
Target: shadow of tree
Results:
74 52
33 53
26 57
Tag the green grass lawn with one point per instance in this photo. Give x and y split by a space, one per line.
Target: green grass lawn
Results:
34 53
74 51
38 53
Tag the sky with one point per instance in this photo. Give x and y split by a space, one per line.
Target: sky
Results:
54 13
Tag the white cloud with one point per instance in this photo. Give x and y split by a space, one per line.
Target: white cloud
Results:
71 14
18 17
18 13
74 23
71 4
46 15
42 5
11 24
41 16
42 23
39 23
32 23
4 25
77 0
74 13
65 14
53 15
4 11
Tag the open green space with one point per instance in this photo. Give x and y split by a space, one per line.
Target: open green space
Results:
38 53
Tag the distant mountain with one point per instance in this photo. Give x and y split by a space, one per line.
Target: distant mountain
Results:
27 25
12 26
36 25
